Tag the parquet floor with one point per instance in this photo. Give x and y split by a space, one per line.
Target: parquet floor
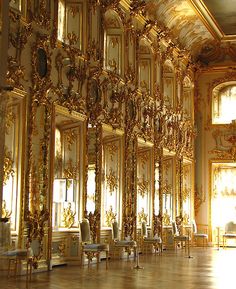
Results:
208 269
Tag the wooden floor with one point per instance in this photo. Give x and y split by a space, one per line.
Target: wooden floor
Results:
209 268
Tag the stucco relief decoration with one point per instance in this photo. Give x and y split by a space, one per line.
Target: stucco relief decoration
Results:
70 136
5 212
110 216
8 167
41 64
112 149
71 170
143 186
10 119
214 51
36 221
199 199
225 142
175 14
142 217
68 216
42 13
111 181
75 71
18 39
138 7
94 99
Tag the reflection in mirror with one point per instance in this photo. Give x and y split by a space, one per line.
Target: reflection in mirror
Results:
112 176
187 192
157 191
91 189
167 193
91 181
144 183
13 148
67 169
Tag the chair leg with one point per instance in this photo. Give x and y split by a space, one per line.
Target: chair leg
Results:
106 260
98 255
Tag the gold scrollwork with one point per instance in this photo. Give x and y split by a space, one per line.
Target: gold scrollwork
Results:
70 170
70 136
143 187
110 216
10 119
112 181
166 219
185 219
68 216
8 166
142 217
5 212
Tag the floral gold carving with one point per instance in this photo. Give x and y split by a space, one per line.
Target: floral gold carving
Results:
112 181
8 166
110 216
5 212
68 216
70 136
166 219
142 217
70 170
143 186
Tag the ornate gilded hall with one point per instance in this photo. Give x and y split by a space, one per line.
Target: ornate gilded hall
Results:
117 132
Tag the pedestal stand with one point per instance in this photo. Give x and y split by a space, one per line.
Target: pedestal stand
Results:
137 266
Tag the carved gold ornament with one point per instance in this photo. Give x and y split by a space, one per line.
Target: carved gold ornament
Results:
110 217
9 120
166 219
143 186
68 217
70 136
186 193
186 219
111 181
62 248
8 166
5 212
142 217
70 170
36 222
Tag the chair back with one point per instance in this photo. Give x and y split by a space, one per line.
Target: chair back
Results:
144 229
115 230
34 249
230 227
85 231
194 226
175 230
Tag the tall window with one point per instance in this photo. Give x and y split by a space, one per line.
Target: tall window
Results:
224 194
70 22
223 104
223 199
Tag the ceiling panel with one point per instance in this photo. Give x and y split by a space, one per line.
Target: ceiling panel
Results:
224 12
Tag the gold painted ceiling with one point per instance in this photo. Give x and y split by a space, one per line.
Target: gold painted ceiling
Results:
206 28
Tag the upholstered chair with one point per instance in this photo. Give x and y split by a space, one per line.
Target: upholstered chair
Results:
150 241
28 255
118 245
89 248
230 232
198 236
180 238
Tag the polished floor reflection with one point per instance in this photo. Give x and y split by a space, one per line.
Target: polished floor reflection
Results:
208 269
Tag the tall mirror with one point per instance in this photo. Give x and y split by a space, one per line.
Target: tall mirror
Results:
144 182
112 173
68 169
